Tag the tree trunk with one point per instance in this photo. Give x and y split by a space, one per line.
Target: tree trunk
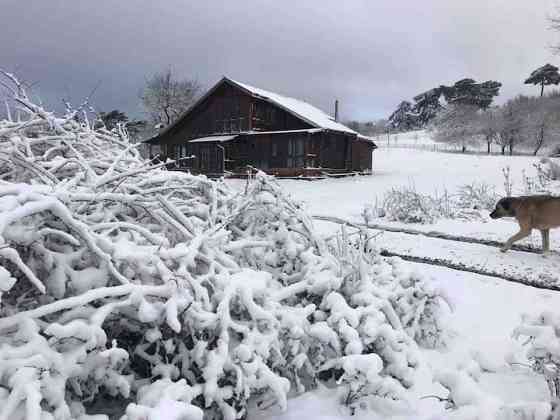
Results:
542 88
511 147
540 141
488 142
503 149
167 116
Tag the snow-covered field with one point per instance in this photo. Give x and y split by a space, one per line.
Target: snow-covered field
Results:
428 173
129 291
486 310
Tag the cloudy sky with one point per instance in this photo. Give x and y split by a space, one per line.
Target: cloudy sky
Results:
370 54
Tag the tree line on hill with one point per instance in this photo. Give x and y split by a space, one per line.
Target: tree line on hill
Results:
467 116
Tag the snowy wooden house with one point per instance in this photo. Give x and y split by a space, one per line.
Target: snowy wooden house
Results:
235 125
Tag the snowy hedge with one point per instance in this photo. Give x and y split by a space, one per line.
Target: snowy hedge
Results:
125 285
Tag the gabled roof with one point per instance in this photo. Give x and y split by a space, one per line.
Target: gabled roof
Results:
300 109
296 107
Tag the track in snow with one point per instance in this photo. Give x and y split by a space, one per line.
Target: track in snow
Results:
521 265
432 234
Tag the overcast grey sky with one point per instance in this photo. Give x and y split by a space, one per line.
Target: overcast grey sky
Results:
371 54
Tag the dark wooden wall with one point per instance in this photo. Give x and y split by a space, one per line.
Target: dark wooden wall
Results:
362 156
269 117
226 110
269 151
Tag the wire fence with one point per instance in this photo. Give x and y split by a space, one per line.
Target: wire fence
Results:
448 148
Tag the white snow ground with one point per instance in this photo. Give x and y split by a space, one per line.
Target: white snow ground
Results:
486 309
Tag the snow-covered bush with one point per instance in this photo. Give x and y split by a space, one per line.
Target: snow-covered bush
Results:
477 196
407 205
545 181
542 342
548 168
467 401
124 284
420 308
362 383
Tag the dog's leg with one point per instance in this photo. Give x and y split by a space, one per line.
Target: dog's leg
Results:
523 233
545 234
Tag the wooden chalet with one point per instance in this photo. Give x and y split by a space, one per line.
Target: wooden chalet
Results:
235 125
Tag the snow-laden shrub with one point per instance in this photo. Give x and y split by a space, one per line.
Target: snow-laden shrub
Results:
361 383
476 196
125 284
467 401
541 335
548 169
407 205
419 307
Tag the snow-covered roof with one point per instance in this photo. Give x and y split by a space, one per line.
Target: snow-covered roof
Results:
219 139
367 139
312 115
301 109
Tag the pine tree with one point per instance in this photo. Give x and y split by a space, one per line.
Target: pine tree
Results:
112 118
468 92
544 76
403 119
427 106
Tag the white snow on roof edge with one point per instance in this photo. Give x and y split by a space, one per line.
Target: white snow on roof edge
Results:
219 139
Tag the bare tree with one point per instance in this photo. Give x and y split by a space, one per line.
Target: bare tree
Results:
457 124
166 98
554 22
542 121
489 125
512 124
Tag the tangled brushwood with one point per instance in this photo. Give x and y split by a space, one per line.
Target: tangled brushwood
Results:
126 285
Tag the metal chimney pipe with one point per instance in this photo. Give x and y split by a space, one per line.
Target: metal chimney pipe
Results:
336 110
